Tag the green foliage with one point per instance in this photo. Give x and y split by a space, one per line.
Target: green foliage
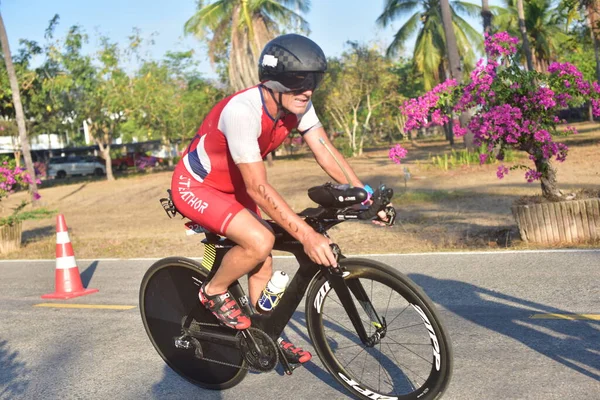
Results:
236 30
19 214
545 29
424 19
585 61
464 157
359 94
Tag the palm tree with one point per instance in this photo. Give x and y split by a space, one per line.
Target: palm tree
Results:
523 30
237 30
544 27
425 19
486 15
20 116
593 18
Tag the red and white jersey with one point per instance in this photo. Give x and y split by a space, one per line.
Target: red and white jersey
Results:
239 129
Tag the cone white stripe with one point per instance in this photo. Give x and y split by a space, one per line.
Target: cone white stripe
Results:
65 262
62 237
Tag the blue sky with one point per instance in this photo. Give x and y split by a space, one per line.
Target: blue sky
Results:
332 22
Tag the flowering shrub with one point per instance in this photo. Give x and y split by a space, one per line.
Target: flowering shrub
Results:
513 108
12 177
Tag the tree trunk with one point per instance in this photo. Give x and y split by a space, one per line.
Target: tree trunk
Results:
16 95
523 30
487 16
548 181
453 60
104 146
451 46
593 16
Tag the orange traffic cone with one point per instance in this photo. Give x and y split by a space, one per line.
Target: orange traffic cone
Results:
67 280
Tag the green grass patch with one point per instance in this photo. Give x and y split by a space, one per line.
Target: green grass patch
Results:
464 157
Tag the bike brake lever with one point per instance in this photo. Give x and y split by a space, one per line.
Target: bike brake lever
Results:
335 270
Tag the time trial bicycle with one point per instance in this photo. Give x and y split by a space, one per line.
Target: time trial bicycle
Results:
377 333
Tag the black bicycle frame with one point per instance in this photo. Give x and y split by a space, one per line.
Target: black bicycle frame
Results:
274 322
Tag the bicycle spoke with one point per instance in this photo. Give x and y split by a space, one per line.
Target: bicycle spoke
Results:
396 317
416 354
388 304
364 364
353 358
339 323
365 322
350 346
379 375
405 327
408 380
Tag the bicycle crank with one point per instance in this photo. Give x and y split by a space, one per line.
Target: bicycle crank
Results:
258 349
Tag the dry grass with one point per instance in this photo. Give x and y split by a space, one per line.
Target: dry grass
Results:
461 209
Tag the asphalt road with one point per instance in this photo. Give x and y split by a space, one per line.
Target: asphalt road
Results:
487 300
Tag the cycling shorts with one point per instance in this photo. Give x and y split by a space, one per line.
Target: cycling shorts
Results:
205 205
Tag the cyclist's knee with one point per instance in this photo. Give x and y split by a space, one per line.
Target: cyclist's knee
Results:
260 244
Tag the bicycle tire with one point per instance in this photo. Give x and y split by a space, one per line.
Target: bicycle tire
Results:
169 293
409 367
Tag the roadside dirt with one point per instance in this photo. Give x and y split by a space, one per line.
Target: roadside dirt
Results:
462 209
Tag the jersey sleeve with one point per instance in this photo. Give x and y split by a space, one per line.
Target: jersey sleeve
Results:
241 126
309 120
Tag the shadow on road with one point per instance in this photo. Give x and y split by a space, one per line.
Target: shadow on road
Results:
86 275
573 343
298 325
13 373
172 386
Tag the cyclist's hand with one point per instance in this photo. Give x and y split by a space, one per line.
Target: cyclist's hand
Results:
316 246
382 217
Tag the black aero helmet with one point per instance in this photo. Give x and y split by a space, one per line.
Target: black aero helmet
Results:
291 63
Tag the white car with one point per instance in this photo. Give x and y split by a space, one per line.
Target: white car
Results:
62 167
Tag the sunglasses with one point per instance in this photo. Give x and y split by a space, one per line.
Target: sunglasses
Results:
300 82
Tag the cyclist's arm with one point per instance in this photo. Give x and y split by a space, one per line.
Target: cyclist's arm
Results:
267 198
325 159
329 165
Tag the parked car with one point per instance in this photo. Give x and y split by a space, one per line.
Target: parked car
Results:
62 167
139 160
123 162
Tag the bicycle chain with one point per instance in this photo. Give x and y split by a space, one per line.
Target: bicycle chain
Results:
223 362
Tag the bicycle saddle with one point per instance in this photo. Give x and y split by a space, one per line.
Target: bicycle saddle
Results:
337 196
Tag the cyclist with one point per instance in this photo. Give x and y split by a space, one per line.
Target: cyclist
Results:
221 179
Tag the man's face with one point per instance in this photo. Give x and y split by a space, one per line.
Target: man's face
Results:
296 102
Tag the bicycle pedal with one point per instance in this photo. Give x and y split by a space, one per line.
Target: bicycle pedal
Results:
182 343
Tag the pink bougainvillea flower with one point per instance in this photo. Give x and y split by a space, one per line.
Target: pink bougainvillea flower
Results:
501 172
397 153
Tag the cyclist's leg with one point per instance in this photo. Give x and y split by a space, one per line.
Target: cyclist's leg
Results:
254 244
258 278
260 275
222 213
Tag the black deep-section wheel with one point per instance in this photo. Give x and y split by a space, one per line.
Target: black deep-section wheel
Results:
414 358
169 294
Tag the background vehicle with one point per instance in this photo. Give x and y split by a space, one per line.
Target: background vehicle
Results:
139 160
62 167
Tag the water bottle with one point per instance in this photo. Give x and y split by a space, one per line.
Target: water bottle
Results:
273 291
